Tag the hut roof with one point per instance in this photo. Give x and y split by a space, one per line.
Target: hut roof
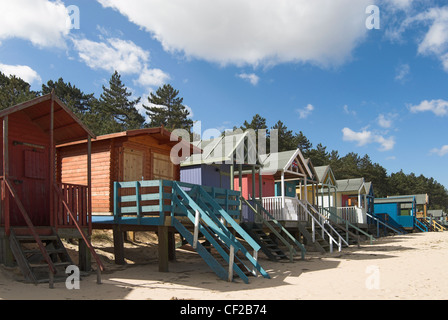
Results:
66 128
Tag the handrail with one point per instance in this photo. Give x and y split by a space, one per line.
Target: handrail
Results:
229 219
325 221
419 225
436 225
347 224
232 240
87 242
30 226
330 237
302 248
385 224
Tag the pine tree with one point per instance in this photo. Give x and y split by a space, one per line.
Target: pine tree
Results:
79 102
166 109
14 90
115 106
286 139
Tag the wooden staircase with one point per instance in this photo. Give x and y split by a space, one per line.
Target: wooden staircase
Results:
30 258
268 245
318 243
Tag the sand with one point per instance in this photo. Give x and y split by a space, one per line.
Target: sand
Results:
405 267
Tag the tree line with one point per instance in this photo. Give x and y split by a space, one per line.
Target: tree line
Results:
115 110
353 165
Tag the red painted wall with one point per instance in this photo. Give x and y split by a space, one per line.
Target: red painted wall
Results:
268 186
28 169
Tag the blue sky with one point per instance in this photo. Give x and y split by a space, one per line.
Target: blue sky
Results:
312 64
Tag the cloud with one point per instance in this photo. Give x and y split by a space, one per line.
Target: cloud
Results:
348 111
152 78
442 151
114 54
23 72
251 77
435 40
42 22
366 137
402 72
123 56
385 121
305 112
438 107
247 32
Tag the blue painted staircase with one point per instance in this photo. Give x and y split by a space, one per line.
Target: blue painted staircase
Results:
209 220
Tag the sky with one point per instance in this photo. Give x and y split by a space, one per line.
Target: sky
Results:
363 76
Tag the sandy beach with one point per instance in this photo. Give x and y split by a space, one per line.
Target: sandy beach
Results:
406 267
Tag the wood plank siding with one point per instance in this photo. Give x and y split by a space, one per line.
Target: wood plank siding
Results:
117 157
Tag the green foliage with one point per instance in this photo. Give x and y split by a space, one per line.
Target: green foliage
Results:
353 166
166 109
116 108
14 90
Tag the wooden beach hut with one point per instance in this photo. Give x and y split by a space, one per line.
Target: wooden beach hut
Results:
134 155
36 206
327 187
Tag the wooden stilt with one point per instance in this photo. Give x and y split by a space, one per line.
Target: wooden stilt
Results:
118 245
163 248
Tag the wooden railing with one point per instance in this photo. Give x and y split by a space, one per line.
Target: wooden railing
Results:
75 219
292 211
352 214
8 188
75 198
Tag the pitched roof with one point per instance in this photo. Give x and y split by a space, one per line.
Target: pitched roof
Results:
291 162
348 185
66 126
228 149
324 173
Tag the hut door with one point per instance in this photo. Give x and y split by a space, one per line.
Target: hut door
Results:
133 165
29 175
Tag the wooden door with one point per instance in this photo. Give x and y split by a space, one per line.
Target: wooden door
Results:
163 168
29 174
133 161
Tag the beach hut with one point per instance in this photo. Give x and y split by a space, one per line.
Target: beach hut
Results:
398 211
134 155
223 162
287 169
35 205
354 198
327 187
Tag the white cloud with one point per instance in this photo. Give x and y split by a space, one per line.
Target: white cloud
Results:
42 22
402 72
305 112
365 137
251 77
348 111
121 55
247 32
23 72
438 107
386 120
442 151
435 40
152 78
